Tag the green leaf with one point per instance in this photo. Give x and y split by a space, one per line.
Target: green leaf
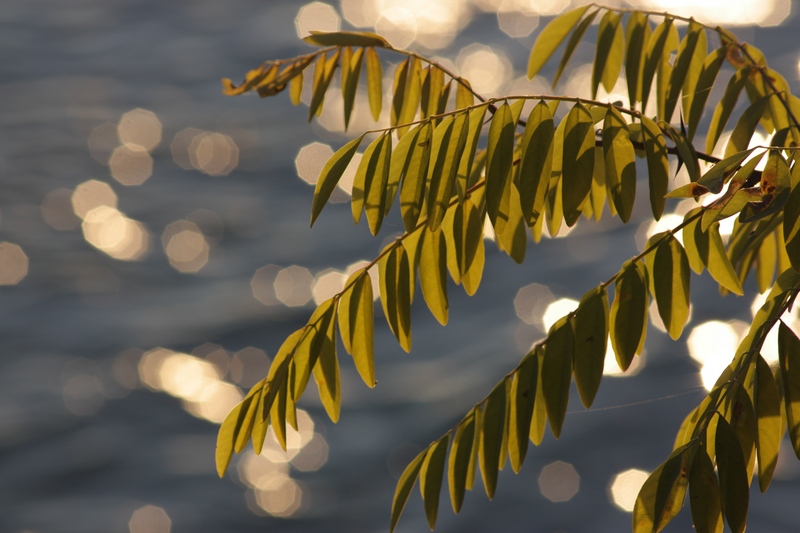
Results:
591 335
367 169
399 166
746 126
510 227
665 72
411 96
351 70
326 374
789 361
716 177
702 90
539 419
314 340
661 497
657 165
628 322
401 84
323 75
236 428
413 187
791 225
620 163
331 174
464 96
536 161
296 88
346 38
578 161
432 85
465 166
522 396
433 273
671 285
571 45
551 36
492 431
653 57
461 458
395 289
728 204
500 155
404 486
686 151
689 62
768 421
704 495
557 371
449 140
473 256
732 476
718 264
775 189
374 83
725 106
743 423
376 186
356 323
609 52
277 416
637 35
430 478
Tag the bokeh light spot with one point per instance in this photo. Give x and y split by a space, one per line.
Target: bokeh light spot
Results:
179 147
279 496
13 263
556 310
91 194
102 141
185 246
310 160
712 344
559 481
249 366
130 164
515 20
486 68
263 284
110 231
327 283
140 128
150 519
293 286
316 16
215 154
625 488
57 210
531 303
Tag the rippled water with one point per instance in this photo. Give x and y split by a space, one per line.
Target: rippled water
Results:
92 439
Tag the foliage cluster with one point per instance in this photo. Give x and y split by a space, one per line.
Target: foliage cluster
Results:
535 172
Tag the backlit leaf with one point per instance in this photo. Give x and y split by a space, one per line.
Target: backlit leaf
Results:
473 258
608 53
657 165
791 225
539 419
768 420
430 478
433 273
655 51
684 75
557 371
356 322
551 36
732 476
591 334
671 285
661 497
351 70
367 169
236 427
404 486
492 431
746 126
461 457
374 83
522 397
724 107
500 151
620 163
465 166
628 320
704 495
375 205
326 374
401 84
346 38
396 294
323 75
536 161
412 189
449 140
578 161
637 34
331 174
411 96
789 360
571 45
702 90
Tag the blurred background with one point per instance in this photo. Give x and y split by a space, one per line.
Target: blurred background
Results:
155 252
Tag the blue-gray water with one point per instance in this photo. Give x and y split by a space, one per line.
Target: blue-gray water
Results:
75 460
